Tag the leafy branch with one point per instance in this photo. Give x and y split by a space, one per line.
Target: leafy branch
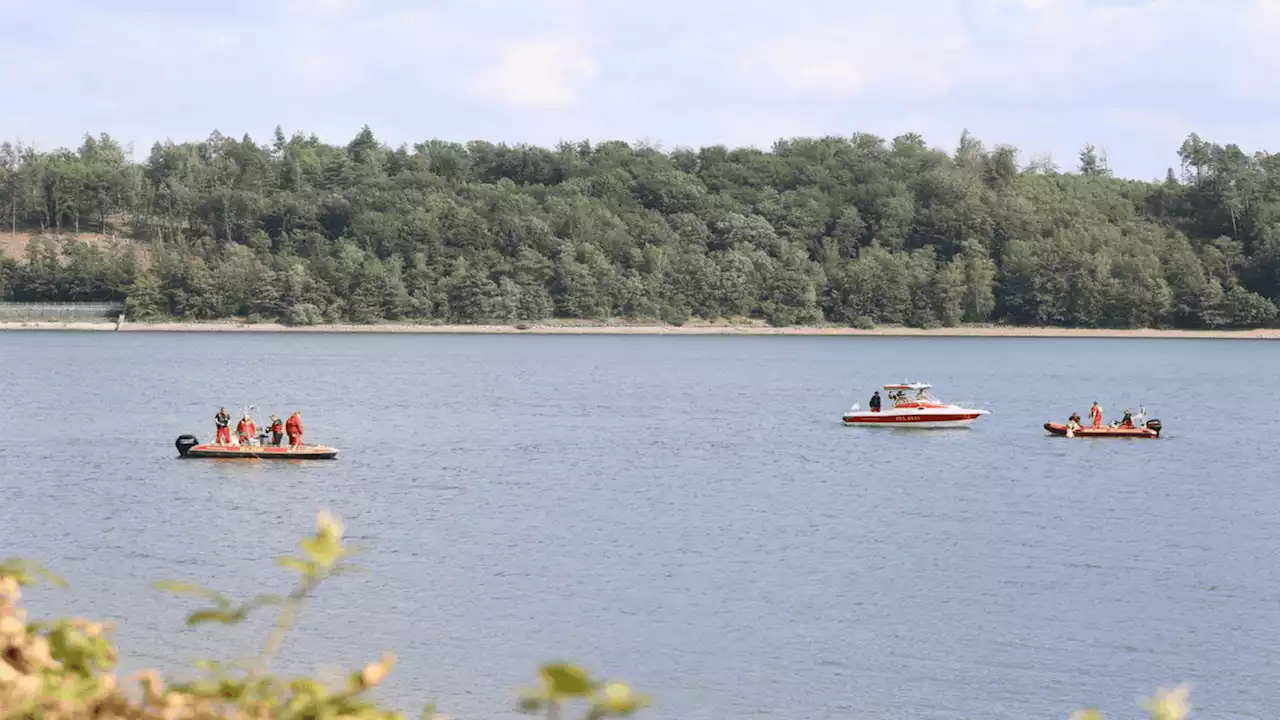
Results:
321 558
62 669
563 682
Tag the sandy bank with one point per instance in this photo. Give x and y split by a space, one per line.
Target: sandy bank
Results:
584 328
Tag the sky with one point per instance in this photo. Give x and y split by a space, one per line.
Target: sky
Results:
1132 77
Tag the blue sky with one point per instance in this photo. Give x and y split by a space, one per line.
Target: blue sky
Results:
1131 76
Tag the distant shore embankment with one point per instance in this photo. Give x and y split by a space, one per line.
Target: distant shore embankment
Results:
601 328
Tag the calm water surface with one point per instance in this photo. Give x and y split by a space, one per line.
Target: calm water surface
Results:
686 513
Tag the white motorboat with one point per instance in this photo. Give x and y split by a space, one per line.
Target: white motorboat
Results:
912 405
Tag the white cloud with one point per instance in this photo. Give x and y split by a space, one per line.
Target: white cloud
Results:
1256 36
1134 75
1013 49
830 52
1166 127
321 8
761 129
538 75
1076 49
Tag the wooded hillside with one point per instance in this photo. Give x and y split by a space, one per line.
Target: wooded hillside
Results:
850 230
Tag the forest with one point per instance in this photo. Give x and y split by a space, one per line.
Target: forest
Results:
854 231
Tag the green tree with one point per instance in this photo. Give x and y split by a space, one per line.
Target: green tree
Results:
876 231
145 300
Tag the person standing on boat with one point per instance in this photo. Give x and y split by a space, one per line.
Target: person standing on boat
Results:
875 401
277 430
1095 414
246 429
293 428
222 425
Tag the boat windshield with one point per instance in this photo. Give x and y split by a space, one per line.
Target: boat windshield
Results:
910 394
918 398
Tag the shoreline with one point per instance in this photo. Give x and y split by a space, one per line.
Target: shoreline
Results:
589 328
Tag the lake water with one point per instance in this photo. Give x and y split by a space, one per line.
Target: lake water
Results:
686 513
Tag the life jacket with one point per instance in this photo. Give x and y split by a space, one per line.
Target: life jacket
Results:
277 427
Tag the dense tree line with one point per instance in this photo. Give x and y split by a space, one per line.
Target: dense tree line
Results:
850 230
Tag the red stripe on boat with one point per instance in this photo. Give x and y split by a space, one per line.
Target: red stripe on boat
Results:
911 418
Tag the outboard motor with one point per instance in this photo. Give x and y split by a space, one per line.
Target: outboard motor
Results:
185 443
1154 425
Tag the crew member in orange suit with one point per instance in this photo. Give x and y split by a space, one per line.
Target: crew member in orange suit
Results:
293 428
1095 414
223 423
246 429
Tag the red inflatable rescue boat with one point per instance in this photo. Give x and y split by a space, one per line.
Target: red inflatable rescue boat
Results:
190 447
1150 430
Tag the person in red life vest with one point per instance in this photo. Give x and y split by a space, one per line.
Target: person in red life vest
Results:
1095 414
277 430
246 429
222 421
293 428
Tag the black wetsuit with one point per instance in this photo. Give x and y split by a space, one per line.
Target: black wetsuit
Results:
875 402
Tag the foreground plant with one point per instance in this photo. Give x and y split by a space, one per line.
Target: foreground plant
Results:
62 669
1166 704
564 682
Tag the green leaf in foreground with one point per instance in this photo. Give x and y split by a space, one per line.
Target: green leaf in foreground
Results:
26 572
565 680
298 565
178 587
224 617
